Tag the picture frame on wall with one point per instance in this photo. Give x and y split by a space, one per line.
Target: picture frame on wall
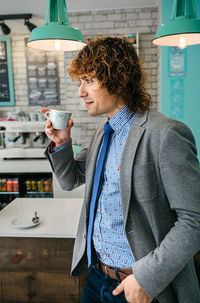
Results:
177 61
6 73
42 77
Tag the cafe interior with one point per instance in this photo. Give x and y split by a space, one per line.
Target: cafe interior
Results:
38 40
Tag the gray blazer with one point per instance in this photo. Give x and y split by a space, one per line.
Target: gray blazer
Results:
160 195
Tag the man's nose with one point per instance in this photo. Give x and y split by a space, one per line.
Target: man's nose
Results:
82 92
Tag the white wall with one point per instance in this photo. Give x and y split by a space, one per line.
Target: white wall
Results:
104 22
114 22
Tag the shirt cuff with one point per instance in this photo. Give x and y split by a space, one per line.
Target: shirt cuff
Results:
57 148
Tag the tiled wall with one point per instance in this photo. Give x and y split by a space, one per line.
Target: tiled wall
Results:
113 22
104 22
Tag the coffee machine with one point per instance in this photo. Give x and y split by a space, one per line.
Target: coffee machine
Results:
23 135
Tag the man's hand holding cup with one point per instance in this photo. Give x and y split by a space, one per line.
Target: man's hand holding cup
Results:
58 125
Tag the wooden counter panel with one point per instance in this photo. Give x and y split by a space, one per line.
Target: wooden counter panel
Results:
37 270
36 254
13 287
39 288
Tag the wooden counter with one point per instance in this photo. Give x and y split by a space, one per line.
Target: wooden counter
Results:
35 262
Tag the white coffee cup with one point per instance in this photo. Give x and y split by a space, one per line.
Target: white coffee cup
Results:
58 118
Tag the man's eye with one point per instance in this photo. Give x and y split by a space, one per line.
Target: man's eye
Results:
88 80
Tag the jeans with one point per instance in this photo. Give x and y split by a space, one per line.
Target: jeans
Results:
99 287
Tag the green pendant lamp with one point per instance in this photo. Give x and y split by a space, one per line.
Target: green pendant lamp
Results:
56 34
184 28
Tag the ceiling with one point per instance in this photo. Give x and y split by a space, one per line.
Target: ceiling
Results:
38 8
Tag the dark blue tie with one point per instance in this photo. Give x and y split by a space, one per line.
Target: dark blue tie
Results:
97 185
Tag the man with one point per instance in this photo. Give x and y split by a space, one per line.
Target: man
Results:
146 227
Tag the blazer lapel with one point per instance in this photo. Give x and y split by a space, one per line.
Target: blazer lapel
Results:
127 160
91 164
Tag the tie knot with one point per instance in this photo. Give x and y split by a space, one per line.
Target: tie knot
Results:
107 128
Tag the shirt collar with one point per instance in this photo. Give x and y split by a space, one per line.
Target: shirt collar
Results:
120 118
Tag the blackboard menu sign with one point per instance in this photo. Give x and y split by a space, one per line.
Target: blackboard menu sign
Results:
42 77
6 78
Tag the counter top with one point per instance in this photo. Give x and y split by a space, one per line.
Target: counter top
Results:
59 217
25 165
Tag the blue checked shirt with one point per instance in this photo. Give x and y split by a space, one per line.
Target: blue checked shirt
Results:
109 237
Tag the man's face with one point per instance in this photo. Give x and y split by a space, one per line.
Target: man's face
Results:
98 100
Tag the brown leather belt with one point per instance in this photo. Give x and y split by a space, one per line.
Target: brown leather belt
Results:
110 271
122 272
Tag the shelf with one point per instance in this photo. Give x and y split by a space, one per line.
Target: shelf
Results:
38 192
9 193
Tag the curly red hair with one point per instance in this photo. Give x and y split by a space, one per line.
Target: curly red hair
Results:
116 65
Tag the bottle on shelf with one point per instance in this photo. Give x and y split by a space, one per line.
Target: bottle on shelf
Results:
46 186
34 185
16 185
9 184
3 185
40 185
28 185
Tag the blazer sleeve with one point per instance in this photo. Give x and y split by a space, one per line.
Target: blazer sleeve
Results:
69 172
180 175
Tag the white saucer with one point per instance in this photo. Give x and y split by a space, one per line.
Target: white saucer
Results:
23 222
